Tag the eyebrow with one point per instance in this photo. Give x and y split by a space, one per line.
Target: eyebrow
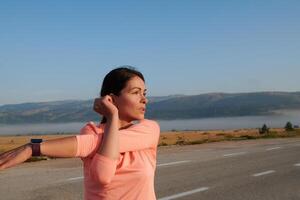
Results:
138 88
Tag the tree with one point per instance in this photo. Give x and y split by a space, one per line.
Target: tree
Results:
289 126
264 129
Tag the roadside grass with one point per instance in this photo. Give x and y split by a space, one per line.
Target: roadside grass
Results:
189 138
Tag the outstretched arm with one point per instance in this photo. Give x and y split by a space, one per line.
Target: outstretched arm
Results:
62 147
142 136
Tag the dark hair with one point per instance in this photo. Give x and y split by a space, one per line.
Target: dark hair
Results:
115 81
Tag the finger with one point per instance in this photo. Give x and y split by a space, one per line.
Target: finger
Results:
7 164
4 156
3 160
14 161
97 101
3 166
15 158
96 106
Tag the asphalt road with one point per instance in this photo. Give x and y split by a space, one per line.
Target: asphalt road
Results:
266 169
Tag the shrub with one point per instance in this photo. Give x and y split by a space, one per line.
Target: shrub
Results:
199 141
180 140
247 137
163 144
163 137
289 126
264 129
229 137
271 134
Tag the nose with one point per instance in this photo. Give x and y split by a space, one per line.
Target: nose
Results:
144 99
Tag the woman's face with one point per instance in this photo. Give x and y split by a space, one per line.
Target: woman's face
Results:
131 102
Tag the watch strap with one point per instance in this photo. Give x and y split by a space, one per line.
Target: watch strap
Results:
36 149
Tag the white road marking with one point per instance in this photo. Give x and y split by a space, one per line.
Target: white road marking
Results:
273 148
175 196
173 163
202 149
297 164
234 154
196 150
75 178
264 173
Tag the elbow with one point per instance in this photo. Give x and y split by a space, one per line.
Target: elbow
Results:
103 179
102 169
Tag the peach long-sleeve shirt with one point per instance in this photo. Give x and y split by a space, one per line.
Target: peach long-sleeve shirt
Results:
132 175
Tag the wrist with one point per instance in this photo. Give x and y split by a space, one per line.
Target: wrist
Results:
112 117
36 147
28 148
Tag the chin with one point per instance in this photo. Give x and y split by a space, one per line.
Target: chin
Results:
140 117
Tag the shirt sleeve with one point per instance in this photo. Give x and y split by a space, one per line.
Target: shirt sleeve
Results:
88 141
103 168
144 135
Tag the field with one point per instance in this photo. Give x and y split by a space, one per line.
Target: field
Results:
171 137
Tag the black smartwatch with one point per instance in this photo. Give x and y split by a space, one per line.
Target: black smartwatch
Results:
36 146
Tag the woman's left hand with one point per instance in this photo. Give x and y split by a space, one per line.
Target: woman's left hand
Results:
15 156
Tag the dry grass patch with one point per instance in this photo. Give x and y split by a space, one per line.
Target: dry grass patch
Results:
199 137
170 137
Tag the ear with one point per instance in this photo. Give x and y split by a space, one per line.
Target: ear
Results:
113 97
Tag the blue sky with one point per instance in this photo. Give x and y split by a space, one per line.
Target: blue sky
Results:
57 50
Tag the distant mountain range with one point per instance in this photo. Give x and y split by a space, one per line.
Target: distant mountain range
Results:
164 107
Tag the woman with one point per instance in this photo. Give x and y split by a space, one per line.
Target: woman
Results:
119 157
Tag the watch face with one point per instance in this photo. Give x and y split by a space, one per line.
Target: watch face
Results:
36 140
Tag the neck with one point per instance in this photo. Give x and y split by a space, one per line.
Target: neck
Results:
124 124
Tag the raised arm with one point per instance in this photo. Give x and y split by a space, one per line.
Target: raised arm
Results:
143 135
104 162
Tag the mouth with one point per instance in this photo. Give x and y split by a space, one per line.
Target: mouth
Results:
143 110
